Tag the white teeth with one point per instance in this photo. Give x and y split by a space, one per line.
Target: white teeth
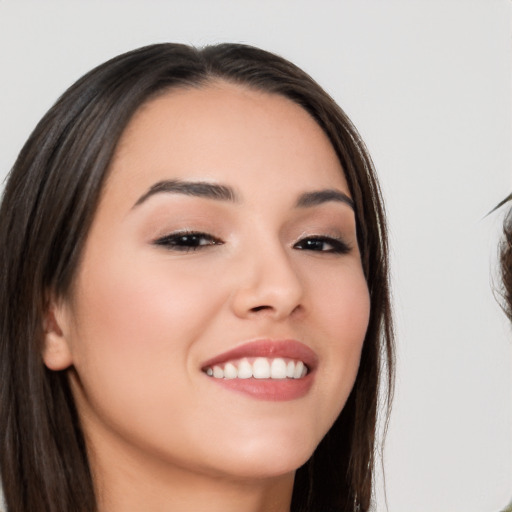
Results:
244 369
230 371
299 366
278 369
261 368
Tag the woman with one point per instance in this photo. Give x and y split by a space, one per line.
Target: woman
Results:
506 274
195 293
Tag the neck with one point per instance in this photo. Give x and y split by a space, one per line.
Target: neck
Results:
197 496
129 483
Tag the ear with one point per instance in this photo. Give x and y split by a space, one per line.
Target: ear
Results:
56 352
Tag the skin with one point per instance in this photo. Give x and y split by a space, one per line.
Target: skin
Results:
143 318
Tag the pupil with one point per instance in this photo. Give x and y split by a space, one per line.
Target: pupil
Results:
189 240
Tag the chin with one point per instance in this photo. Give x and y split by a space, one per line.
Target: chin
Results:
266 457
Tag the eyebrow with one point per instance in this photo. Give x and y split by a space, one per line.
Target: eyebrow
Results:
227 193
190 188
316 198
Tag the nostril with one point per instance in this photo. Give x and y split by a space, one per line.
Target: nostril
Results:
260 308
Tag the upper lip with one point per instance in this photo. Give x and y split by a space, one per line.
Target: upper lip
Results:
290 349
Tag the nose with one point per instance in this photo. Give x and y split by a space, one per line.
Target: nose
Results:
267 284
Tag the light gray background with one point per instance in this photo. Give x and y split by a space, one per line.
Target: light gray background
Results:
428 85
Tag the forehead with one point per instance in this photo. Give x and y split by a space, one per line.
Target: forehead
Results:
228 133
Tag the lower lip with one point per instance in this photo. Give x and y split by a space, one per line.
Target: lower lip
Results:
273 390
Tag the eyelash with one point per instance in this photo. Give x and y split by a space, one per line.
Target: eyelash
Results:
187 241
338 246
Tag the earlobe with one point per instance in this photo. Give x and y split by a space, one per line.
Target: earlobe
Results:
56 352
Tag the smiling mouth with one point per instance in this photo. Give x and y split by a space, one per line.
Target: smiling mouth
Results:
259 368
271 370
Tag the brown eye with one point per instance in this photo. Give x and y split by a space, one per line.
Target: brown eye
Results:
323 244
187 241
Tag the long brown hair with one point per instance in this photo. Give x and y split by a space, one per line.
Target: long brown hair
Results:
47 208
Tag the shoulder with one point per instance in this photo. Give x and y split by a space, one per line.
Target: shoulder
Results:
508 508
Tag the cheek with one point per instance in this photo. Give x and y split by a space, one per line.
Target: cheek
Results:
134 339
129 301
342 307
341 302
347 312
138 321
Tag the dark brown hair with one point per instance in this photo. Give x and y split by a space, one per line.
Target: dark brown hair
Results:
48 205
506 261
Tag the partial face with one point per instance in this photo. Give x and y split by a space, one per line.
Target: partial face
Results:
223 252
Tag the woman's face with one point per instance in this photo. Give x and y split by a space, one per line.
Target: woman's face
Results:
224 244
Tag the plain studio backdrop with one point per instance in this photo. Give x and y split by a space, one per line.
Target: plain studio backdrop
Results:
428 85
